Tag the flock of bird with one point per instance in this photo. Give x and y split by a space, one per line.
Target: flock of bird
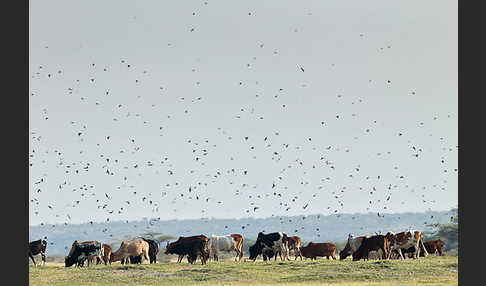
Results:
123 163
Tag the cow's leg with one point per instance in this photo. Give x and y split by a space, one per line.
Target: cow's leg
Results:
384 253
43 256
416 253
32 257
425 249
286 252
400 253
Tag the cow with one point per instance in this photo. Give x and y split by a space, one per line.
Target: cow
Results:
191 238
98 256
153 251
404 240
352 246
373 243
106 255
36 247
295 243
320 249
276 241
226 243
433 247
81 252
192 246
132 248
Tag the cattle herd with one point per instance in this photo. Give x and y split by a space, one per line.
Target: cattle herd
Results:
399 245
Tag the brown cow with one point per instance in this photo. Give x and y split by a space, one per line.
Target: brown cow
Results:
89 259
132 248
434 246
295 243
373 243
238 239
313 250
190 238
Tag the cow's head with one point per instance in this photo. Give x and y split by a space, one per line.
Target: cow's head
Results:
416 236
390 237
345 252
69 261
305 251
255 250
167 248
260 235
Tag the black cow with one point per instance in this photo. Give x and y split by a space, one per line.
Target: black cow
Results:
276 241
36 247
372 243
153 250
193 248
82 252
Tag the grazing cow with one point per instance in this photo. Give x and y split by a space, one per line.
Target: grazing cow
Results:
433 247
320 249
98 256
132 248
36 247
295 243
404 240
226 243
81 252
194 247
276 241
352 246
373 243
191 238
106 254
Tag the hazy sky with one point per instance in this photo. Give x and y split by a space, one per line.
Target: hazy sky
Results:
156 97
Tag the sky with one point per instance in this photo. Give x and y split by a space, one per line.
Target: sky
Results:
226 109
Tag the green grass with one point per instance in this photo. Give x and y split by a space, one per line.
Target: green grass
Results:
424 271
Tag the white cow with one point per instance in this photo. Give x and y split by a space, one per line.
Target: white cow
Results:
226 243
405 240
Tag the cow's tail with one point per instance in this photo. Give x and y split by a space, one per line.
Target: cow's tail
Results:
385 245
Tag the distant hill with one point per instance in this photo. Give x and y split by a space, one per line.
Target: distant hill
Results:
310 228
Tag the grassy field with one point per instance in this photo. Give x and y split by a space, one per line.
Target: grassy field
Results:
431 270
